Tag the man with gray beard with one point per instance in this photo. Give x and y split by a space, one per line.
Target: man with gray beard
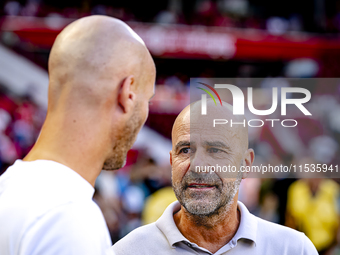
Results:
208 218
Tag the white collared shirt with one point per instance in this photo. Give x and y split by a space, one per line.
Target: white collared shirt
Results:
47 208
254 236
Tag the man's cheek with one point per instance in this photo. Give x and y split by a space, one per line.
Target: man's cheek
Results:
180 163
177 174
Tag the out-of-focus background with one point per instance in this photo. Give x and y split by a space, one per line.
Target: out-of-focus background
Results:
191 38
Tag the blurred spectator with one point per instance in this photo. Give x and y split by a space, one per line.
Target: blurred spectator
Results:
312 208
277 26
166 17
20 123
156 203
12 8
110 208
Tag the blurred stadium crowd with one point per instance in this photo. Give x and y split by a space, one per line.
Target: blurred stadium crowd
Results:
20 123
138 193
278 17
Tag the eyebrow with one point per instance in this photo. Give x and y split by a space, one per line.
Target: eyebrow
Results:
181 144
217 144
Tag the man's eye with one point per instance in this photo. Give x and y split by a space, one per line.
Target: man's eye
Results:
214 150
184 150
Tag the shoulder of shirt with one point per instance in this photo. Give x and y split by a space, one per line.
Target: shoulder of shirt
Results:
49 209
35 192
75 227
282 237
268 228
147 239
71 215
78 208
82 212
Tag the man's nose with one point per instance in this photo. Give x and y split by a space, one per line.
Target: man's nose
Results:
198 160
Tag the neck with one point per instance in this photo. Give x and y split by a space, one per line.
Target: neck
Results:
73 144
210 232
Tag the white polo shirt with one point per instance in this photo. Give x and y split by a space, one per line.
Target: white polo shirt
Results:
47 208
254 236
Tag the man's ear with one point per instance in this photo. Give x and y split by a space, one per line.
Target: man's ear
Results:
126 95
170 157
248 160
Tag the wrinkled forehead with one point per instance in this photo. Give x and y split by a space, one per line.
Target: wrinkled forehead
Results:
201 129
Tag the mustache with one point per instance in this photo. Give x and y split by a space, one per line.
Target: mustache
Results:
201 178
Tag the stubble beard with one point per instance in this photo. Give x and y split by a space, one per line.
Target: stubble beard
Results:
124 142
206 203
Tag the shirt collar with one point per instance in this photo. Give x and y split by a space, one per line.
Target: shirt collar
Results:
247 228
69 180
248 224
167 225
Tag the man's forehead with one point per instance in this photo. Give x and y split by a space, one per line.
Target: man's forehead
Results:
204 129
191 125
180 131
203 135
199 138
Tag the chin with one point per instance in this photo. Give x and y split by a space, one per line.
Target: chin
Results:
201 209
114 164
